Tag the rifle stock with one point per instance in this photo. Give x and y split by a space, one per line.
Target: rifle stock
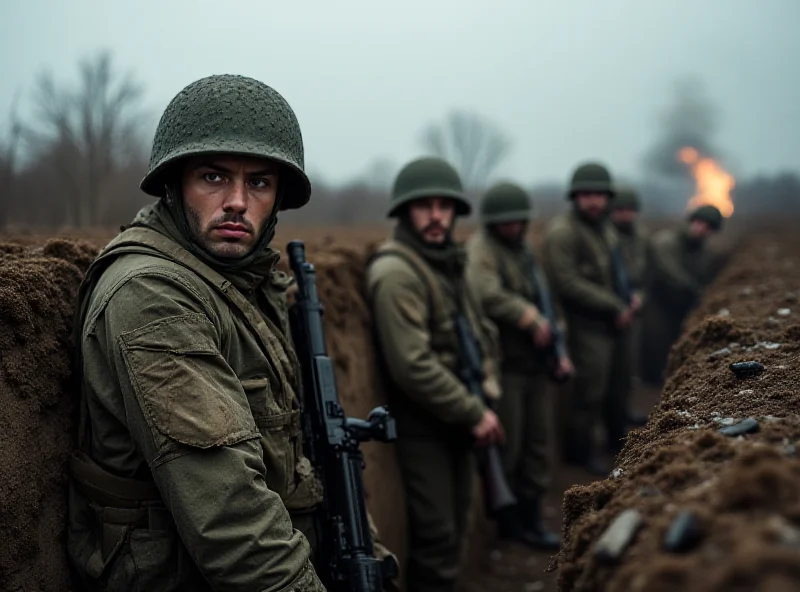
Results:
497 493
331 442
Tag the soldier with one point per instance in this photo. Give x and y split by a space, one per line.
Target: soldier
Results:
415 286
633 240
189 472
581 257
680 267
503 272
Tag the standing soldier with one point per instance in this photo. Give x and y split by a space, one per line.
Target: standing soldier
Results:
633 239
189 472
416 286
679 268
587 275
503 272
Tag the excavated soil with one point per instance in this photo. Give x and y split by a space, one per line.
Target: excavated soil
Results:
743 491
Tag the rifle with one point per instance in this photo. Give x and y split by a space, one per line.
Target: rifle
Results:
557 348
496 492
619 277
331 442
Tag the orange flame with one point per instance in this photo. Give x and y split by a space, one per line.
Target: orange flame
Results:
713 184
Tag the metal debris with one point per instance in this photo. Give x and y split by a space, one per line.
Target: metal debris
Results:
747 369
683 533
746 426
619 534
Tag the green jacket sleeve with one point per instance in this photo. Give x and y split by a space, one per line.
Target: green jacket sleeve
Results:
500 305
572 288
188 415
668 274
400 314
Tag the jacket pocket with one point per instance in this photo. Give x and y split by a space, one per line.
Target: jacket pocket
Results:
186 389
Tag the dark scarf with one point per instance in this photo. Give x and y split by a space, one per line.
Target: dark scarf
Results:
448 258
246 273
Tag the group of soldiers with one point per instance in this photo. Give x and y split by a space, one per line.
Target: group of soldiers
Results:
189 471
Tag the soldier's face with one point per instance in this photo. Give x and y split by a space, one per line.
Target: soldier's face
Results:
512 231
592 205
700 230
228 201
624 217
432 218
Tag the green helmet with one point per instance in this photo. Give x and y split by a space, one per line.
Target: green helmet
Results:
708 214
427 177
229 114
591 177
505 202
625 197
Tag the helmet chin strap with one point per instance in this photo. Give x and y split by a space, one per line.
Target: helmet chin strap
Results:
175 204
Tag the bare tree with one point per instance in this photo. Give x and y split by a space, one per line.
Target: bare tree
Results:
8 153
88 136
472 143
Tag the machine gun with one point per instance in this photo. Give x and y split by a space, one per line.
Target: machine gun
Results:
496 492
332 445
557 348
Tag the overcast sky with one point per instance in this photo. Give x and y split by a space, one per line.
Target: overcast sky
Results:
567 79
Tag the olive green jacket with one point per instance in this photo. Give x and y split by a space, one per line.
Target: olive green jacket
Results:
179 390
577 257
677 270
498 275
418 348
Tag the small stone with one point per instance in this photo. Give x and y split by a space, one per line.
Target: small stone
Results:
770 345
725 421
683 413
720 353
683 533
534 586
616 473
619 534
723 312
784 312
746 426
746 369
746 392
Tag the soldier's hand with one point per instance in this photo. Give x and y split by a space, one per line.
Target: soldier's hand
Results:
565 367
636 303
542 334
489 429
624 318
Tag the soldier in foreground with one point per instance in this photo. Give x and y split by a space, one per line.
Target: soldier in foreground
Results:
415 286
189 472
633 241
581 252
679 268
504 273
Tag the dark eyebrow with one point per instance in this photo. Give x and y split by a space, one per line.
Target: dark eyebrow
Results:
269 170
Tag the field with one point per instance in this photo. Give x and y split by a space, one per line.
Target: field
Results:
744 492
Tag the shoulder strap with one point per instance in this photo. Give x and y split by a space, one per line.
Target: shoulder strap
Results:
420 268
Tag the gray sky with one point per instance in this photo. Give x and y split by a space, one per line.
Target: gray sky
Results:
568 80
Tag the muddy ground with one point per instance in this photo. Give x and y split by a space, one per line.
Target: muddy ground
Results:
742 492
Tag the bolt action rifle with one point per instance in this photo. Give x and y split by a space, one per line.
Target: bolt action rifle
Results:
557 349
331 443
498 496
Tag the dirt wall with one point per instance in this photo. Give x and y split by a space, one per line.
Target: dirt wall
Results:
739 494
38 287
